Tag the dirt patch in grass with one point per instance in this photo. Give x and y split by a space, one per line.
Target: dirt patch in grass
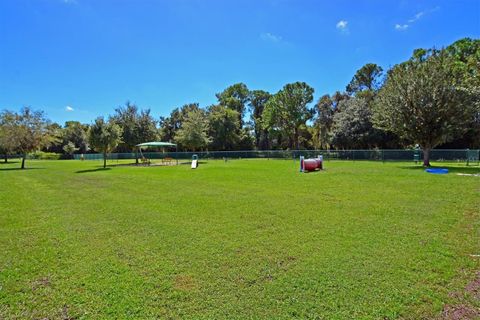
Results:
473 287
459 312
65 314
41 283
184 283
464 311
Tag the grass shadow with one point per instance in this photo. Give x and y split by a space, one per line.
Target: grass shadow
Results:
451 169
93 170
18 169
314 171
132 164
9 162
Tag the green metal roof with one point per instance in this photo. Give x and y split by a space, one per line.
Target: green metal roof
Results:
156 144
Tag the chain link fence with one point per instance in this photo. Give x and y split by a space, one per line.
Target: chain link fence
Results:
453 155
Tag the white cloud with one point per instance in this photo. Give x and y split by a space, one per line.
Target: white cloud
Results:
342 25
401 27
267 36
69 109
70 1
416 17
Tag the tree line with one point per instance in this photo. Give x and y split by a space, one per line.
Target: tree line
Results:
432 99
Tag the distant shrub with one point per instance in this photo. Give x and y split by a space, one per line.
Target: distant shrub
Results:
40 155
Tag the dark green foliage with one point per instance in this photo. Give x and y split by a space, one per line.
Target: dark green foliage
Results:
170 125
353 128
30 132
104 137
224 127
367 78
193 133
235 97
423 102
322 128
76 133
7 134
466 63
137 126
258 100
466 60
288 110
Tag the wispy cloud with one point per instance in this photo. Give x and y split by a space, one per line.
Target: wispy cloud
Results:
70 1
267 36
342 25
416 17
69 109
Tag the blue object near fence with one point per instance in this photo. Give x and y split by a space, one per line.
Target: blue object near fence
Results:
437 170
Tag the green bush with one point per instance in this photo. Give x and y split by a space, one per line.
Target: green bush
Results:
40 155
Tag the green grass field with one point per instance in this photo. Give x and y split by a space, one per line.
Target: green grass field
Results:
246 239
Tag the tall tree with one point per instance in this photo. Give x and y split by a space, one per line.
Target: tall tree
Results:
338 97
466 60
146 127
258 99
223 124
75 132
367 77
235 97
423 102
137 126
194 132
288 110
171 124
126 118
466 63
104 137
7 134
352 126
322 127
55 138
31 132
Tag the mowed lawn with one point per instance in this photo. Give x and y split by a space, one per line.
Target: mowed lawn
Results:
245 239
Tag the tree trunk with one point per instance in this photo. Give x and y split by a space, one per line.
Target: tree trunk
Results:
23 161
104 160
136 156
426 157
295 137
291 141
5 158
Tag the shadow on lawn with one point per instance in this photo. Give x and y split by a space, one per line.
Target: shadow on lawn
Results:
451 169
18 169
9 162
93 170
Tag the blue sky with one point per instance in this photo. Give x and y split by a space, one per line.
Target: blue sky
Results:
78 59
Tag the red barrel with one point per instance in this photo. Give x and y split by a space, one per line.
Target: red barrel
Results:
310 164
